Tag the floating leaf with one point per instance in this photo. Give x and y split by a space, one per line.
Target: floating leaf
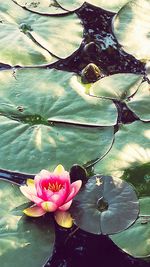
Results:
118 86
139 104
20 236
10 12
26 147
129 157
51 95
124 87
105 205
138 234
17 49
114 5
49 7
139 176
60 36
131 28
44 121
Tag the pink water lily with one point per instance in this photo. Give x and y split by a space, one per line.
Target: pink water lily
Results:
50 191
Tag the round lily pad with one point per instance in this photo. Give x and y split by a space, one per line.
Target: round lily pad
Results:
129 157
51 95
139 103
138 234
118 86
105 205
131 28
22 238
44 121
59 35
114 5
17 49
49 7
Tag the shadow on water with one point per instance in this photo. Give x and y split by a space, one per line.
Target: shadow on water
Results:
83 249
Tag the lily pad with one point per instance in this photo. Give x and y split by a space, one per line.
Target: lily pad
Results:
45 121
61 36
138 234
118 86
17 49
139 103
129 157
29 148
51 95
49 7
105 205
131 28
114 5
19 235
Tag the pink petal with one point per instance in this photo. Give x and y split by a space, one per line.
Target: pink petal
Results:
66 206
30 189
34 211
43 174
59 197
39 179
64 177
49 206
30 193
74 189
61 175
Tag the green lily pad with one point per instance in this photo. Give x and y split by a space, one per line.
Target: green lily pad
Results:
114 5
30 148
138 234
131 28
118 86
23 241
129 157
51 95
105 205
45 121
62 36
49 7
124 87
17 49
139 103
59 35
10 12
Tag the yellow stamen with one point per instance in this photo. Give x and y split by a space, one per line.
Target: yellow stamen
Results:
54 187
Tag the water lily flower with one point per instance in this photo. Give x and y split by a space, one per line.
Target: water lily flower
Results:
50 191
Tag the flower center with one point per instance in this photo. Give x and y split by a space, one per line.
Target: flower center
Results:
54 187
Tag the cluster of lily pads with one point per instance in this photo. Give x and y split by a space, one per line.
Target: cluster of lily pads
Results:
50 117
